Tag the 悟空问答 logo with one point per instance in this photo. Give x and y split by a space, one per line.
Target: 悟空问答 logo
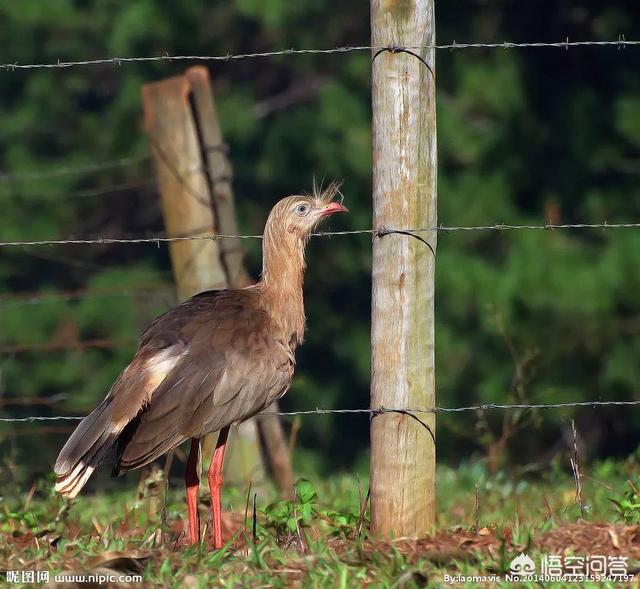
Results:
522 566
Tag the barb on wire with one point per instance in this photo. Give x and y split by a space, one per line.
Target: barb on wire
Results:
382 231
119 61
383 410
73 170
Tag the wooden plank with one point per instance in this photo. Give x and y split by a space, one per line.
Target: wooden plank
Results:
219 173
186 204
402 323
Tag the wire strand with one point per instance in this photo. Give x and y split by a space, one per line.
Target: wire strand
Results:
118 61
382 231
383 410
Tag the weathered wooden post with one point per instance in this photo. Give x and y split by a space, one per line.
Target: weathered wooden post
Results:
402 322
186 201
218 172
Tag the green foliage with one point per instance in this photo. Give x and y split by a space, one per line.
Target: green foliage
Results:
628 505
290 517
57 535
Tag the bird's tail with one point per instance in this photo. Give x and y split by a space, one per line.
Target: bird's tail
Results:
85 449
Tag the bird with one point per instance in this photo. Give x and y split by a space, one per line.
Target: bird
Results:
215 360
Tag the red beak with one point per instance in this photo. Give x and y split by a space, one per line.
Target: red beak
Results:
334 207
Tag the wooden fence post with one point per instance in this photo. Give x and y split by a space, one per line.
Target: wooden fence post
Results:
402 322
218 171
186 203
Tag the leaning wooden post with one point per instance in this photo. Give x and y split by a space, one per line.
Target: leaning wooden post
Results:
402 322
175 132
218 172
186 206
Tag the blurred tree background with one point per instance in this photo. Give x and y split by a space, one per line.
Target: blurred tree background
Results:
525 136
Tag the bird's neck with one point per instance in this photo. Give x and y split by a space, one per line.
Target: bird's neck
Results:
282 279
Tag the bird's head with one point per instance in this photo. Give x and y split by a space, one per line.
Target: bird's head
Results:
298 216
290 224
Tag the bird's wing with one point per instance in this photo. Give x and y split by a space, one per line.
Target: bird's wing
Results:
225 367
162 347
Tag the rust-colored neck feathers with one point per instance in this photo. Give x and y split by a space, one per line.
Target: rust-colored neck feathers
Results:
282 278
290 223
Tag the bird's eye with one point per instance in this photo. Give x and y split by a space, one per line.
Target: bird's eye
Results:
302 209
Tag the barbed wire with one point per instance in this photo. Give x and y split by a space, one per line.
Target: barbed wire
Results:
376 232
381 410
36 418
481 407
74 170
118 61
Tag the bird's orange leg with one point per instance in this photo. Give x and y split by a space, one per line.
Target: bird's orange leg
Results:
215 486
192 482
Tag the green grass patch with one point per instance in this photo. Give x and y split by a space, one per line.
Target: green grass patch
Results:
322 538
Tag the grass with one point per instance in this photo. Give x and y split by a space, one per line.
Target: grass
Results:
322 540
